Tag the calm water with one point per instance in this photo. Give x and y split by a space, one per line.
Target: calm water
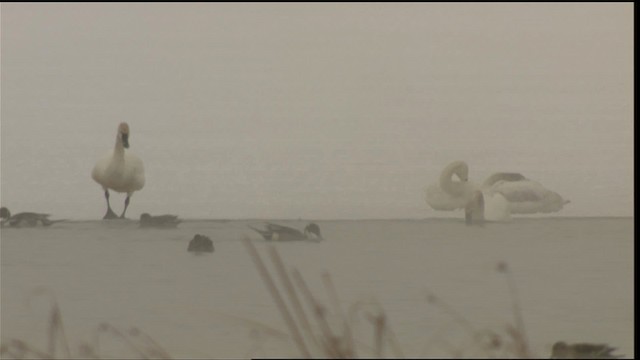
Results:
574 278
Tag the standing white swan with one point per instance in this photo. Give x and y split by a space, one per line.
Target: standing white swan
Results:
502 194
119 171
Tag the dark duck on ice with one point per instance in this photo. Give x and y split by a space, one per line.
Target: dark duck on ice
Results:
27 219
159 221
275 232
562 350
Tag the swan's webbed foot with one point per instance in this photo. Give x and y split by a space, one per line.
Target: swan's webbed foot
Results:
110 215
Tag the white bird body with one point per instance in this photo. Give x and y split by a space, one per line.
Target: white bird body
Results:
438 199
496 207
123 173
119 171
528 197
449 195
502 194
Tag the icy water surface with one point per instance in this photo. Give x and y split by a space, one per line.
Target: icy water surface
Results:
574 278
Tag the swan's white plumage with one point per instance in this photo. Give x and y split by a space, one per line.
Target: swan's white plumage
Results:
528 196
503 194
124 175
438 199
449 194
496 206
120 170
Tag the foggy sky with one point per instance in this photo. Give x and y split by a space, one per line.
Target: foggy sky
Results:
314 110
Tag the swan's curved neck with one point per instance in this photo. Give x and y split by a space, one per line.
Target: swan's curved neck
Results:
446 178
474 210
118 150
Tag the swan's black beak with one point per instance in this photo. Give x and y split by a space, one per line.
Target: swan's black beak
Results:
125 140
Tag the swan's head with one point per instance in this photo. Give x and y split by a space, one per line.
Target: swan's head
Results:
460 169
4 213
313 230
451 186
463 174
123 134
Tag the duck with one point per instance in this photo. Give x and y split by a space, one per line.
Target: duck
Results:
200 244
161 221
275 232
562 350
120 171
28 219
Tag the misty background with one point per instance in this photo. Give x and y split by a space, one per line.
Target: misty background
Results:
322 111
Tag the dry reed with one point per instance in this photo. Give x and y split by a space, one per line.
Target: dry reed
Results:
327 341
139 343
312 334
513 343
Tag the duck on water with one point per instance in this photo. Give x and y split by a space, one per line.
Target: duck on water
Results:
275 232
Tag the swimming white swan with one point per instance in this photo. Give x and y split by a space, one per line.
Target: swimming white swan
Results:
449 194
119 171
501 195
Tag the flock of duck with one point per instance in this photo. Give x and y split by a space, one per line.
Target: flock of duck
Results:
499 196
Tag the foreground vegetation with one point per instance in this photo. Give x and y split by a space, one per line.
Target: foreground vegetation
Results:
314 328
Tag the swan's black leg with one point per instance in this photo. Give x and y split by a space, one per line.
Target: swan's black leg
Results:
126 205
110 214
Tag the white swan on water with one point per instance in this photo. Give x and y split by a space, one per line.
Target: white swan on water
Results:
119 171
501 195
449 194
